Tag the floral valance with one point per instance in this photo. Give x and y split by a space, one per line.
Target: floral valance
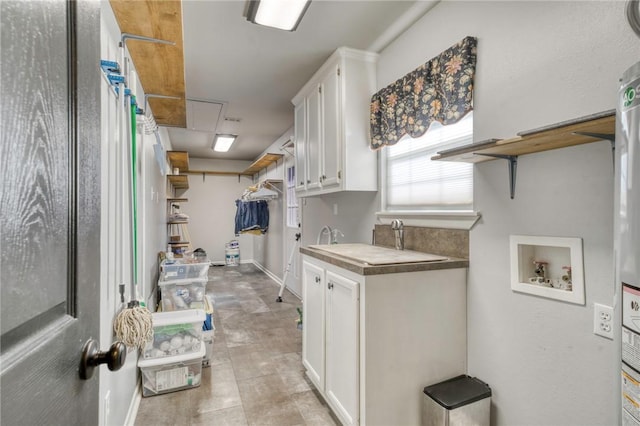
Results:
440 90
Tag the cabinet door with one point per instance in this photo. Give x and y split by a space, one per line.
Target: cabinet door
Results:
342 347
314 138
300 135
332 139
313 323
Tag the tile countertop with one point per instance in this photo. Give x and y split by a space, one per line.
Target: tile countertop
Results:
362 268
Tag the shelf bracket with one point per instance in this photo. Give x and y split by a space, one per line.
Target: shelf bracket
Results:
611 137
513 167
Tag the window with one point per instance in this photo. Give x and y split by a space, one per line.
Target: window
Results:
292 201
412 182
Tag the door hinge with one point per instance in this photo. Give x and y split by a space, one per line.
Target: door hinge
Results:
339 174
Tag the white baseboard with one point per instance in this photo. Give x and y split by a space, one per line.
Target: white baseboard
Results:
268 273
133 407
275 278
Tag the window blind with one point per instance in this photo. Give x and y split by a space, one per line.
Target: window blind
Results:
415 183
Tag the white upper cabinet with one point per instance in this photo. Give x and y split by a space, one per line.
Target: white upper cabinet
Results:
332 126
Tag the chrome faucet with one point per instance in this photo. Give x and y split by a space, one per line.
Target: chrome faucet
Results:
334 236
398 229
325 229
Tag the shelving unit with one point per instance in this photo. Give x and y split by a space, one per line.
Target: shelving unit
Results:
591 128
177 228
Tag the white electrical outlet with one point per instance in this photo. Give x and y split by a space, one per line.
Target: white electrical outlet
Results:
603 320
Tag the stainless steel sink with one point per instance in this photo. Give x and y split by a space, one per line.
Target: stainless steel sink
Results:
375 255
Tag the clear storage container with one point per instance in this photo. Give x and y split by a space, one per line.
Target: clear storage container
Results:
180 269
183 294
175 333
163 375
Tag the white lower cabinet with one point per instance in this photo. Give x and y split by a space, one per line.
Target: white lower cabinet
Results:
341 347
371 343
330 338
313 322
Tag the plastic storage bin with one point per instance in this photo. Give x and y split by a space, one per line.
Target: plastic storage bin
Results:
462 400
183 294
180 269
175 333
163 375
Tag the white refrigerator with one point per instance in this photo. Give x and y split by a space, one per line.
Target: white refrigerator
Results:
627 240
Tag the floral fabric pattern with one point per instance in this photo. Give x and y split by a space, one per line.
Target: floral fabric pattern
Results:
440 90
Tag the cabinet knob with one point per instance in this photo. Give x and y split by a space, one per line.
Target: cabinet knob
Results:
330 286
317 279
309 181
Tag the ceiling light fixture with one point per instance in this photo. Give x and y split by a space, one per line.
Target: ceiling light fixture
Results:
222 143
281 14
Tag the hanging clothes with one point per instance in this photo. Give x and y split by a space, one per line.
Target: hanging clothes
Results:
251 216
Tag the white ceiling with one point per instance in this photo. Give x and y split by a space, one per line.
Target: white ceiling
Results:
255 71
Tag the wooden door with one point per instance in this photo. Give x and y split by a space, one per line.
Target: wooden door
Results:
342 355
313 330
292 229
50 238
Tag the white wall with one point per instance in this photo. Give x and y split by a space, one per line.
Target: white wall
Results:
119 387
355 216
212 209
538 63
269 248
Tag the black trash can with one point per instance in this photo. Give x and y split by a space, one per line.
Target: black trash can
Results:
460 401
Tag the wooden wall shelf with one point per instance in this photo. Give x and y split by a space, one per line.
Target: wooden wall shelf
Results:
179 181
561 135
177 200
160 67
213 172
179 160
579 131
261 163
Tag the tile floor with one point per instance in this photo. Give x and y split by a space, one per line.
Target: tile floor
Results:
256 375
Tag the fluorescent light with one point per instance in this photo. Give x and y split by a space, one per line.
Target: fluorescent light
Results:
224 142
281 14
